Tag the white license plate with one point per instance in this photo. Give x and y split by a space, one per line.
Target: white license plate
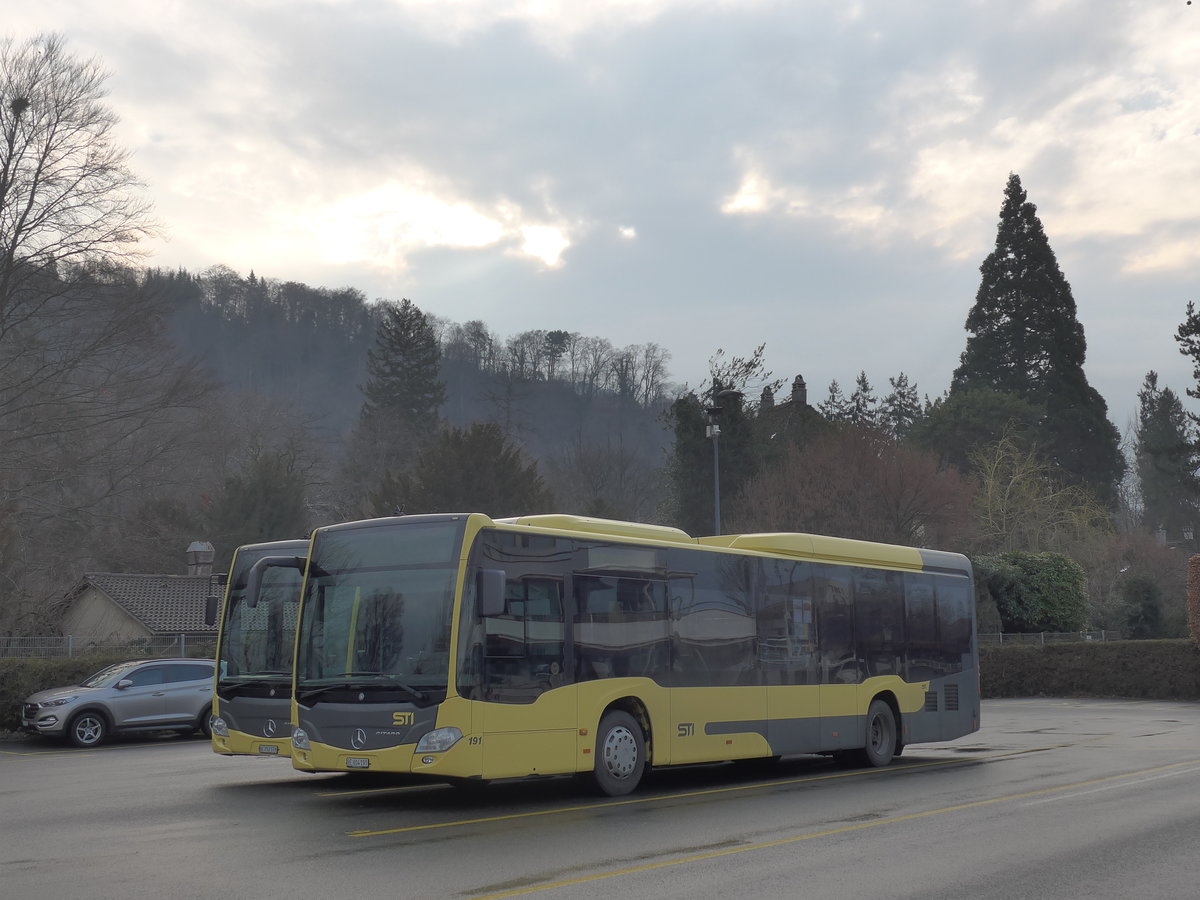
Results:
268 749
358 762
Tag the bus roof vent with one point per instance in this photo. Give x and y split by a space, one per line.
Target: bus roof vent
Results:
609 527
823 548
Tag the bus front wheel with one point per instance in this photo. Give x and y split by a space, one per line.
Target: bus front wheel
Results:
620 754
881 734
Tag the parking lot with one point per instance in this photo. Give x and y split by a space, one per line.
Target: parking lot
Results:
1053 798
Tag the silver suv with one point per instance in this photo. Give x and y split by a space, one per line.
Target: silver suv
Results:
139 695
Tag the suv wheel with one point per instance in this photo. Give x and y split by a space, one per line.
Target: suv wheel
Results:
88 729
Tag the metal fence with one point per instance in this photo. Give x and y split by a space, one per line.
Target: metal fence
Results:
55 646
1050 637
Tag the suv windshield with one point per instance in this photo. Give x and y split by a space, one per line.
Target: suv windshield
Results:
377 606
109 676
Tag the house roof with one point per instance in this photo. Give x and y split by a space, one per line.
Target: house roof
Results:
165 604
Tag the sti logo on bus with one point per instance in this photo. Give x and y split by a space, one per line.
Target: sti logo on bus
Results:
685 729
402 718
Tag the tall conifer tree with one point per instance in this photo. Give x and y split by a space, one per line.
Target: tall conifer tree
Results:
1166 460
401 402
404 369
1026 340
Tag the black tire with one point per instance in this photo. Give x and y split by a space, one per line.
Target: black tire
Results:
87 729
881 735
204 726
620 754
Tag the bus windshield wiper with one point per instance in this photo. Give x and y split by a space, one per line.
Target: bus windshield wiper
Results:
308 693
247 681
395 679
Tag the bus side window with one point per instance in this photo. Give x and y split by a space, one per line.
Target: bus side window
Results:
920 618
879 621
954 621
834 607
714 631
524 645
786 629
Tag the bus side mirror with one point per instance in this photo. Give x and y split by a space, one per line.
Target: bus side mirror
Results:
213 600
255 576
491 593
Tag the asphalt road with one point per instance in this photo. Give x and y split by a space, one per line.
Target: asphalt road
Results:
1051 799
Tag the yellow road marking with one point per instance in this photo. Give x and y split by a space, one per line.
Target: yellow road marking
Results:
758 785
829 832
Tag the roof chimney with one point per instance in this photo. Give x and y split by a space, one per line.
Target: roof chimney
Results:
799 392
200 558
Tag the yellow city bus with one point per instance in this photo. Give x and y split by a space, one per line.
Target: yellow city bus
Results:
252 691
462 647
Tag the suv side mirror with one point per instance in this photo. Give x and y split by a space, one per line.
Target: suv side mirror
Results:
124 683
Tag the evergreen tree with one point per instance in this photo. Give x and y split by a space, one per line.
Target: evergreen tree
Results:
403 369
964 422
739 449
863 409
835 407
1167 460
901 408
474 469
1187 336
265 502
400 411
1026 340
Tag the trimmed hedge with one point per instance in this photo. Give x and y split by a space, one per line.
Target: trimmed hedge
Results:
20 677
1138 670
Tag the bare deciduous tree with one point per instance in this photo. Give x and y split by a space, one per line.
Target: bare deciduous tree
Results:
1023 504
859 484
93 403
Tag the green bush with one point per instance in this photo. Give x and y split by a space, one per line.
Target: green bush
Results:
1141 602
1140 670
1035 591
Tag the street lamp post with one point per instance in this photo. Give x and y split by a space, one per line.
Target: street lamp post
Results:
713 430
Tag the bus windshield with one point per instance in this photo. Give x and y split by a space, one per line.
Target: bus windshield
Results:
257 641
378 605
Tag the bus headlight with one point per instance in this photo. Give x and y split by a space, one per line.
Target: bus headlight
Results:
300 739
219 726
439 740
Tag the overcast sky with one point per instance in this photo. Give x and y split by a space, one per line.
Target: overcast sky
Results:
824 177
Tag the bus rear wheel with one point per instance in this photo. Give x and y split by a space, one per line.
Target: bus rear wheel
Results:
881 734
620 754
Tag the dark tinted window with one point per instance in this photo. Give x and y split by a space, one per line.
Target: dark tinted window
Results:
152 675
787 636
621 627
189 672
879 621
924 649
515 656
954 604
834 607
714 629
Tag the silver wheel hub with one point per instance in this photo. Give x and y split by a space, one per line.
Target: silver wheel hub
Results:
620 752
